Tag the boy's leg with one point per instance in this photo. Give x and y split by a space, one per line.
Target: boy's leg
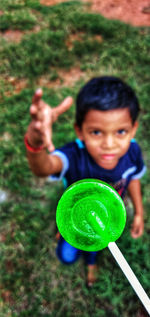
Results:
66 253
90 259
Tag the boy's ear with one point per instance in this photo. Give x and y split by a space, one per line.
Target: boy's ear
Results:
134 128
78 131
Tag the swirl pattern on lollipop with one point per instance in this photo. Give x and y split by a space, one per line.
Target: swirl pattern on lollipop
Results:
90 214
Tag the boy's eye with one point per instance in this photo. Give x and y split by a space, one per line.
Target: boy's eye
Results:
121 132
96 132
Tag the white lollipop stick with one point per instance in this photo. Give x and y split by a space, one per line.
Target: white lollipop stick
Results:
130 275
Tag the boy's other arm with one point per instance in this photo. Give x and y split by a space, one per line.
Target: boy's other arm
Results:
134 189
39 134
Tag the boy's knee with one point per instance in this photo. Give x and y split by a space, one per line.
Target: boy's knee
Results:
65 258
66 253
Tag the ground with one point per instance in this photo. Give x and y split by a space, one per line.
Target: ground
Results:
135 12
44 267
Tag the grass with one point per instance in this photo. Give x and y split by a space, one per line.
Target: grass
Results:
21 19
33 282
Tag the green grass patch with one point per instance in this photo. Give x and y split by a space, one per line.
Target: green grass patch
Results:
12 4
21 19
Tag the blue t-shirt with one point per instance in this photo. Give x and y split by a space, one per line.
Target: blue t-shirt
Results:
78 164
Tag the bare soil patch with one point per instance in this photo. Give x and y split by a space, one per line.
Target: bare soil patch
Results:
65 78
15 85
12 35
51 2
17 35
135 12
80 37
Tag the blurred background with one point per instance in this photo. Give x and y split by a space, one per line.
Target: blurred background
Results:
58 46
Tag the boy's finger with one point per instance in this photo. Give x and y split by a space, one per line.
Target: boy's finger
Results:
33 110
48 140
37 96
49 143
51 147
64 106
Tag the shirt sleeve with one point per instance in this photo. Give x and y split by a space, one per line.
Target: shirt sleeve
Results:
65 153
65 164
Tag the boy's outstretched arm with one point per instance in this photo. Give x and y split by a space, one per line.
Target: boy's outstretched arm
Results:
39 134
136 196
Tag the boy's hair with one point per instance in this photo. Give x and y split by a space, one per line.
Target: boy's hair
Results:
106 93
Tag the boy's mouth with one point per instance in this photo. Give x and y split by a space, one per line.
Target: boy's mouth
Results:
108 156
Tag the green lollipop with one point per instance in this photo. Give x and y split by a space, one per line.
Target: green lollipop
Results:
91 216
87 215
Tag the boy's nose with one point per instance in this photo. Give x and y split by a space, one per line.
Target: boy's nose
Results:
108 142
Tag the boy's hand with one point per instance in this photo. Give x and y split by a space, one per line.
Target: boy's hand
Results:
43 116
137 227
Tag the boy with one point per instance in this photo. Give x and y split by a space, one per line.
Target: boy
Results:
106 123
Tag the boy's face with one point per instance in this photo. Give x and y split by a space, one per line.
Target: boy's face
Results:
107 135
